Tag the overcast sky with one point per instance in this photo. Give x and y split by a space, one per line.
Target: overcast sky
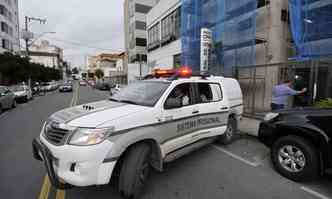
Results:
86 23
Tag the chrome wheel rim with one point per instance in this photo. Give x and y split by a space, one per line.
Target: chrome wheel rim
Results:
229 131
291 158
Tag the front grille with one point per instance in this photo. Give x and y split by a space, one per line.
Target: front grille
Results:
54 134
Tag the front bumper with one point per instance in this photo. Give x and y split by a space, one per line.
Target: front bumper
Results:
21 98
69 166
266 133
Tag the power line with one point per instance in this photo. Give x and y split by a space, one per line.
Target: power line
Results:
75 43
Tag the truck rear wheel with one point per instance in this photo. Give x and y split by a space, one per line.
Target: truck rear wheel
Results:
135 171
230 132
295 158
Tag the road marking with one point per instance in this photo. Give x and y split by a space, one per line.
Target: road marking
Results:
45 190
253 164
314 193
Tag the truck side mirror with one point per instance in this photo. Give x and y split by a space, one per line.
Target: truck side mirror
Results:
172 103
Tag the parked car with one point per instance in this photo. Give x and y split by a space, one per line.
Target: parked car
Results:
300 142
22 93
67 87
115 89
83 83
103 86
7 99
92 83
46 87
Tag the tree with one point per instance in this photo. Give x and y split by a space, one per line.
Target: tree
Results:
16 69
99 73
75 71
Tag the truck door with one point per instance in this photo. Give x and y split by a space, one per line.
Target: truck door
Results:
213 108
179 117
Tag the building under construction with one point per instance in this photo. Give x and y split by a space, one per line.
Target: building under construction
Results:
262 43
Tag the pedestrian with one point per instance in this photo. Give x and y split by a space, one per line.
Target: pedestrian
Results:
281 93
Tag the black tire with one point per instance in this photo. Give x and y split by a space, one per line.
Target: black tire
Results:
309 171
1 109
134 171
228 136
26 99
14 104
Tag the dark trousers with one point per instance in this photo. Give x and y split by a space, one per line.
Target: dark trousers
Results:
275 107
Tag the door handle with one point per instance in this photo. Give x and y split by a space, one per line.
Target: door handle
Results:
195 112
224 108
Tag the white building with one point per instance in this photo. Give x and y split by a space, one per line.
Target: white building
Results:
112 65
164 42
9 26
46 54
135 28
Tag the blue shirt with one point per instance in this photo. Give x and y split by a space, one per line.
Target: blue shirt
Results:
281 93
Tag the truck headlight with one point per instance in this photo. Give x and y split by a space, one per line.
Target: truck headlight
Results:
87 136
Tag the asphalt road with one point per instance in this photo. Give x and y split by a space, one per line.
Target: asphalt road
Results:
241 170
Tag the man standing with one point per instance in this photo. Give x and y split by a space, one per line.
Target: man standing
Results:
281 93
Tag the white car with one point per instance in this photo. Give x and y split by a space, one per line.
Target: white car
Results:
22 93
143 126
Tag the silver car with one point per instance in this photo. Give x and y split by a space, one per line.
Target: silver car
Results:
7 99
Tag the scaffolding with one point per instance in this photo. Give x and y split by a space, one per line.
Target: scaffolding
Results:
233 25
311 23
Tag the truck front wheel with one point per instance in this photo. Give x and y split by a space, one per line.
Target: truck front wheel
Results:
135 171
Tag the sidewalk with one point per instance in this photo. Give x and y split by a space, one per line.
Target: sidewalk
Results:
249 126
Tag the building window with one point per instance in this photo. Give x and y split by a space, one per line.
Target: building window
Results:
140 25
154 37
170 27
142 8
140 42
6 44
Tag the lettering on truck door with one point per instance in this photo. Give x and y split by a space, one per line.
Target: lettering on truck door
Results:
213 109
178 123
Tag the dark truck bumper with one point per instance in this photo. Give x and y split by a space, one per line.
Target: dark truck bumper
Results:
41 153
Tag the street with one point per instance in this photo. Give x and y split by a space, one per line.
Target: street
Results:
240 170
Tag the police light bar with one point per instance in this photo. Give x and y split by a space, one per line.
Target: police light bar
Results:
180 72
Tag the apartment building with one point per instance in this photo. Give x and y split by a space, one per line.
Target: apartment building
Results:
135 28
44 53
164 34
9 26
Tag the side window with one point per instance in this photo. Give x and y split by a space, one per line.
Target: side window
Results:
209 92
181 95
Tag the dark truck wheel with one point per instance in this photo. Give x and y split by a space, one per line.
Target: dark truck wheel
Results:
135 170
14 104
295 158
230 132
1 109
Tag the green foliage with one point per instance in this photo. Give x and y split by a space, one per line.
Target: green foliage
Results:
16 69
99 73
75 71
326 103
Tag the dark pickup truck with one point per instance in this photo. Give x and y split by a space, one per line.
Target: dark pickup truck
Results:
300 142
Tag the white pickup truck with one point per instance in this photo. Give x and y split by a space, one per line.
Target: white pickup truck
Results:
141 127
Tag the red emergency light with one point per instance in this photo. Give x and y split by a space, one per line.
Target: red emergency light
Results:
185 72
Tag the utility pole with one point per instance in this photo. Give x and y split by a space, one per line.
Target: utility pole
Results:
27 20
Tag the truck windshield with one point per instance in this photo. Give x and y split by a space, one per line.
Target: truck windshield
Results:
145 93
